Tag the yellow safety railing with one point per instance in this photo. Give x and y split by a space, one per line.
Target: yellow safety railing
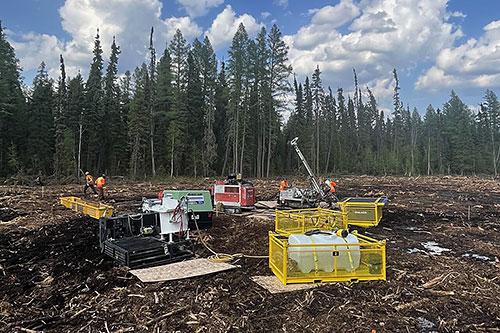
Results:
318 263
92 209
299 221
363 212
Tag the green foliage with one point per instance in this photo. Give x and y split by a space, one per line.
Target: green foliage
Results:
41 105
182 115
13 123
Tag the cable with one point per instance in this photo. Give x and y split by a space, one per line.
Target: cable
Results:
223 257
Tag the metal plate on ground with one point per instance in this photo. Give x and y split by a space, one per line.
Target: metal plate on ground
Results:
180 270
274 286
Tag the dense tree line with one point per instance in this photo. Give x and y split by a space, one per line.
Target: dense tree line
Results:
184 113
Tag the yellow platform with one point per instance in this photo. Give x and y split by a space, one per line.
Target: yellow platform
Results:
363 212
92 209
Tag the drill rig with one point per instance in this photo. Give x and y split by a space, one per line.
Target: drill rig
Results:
312 196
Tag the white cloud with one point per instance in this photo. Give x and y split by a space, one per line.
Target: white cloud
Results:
312 11
458 14
226 24
335 16
492 25
46 47
281 3
197 8
382 35
265 15
475 63
129 20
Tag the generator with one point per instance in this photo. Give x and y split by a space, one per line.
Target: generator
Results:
159 235
234 195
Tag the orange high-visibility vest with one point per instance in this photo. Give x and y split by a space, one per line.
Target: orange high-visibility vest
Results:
90 179
100 182
283 185
332 186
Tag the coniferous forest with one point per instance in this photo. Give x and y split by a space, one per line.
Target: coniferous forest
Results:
183 113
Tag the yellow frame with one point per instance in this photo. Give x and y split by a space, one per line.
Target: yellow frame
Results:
92 209
278 247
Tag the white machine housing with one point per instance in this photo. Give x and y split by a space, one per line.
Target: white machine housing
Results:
173 215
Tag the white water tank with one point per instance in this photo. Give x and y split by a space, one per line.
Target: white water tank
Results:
348 257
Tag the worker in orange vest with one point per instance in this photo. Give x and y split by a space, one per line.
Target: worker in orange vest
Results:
100 186
283 184
331 184
89 183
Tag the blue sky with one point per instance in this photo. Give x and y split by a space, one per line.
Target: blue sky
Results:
436 45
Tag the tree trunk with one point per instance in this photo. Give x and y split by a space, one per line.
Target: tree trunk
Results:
317 143
172 158
153 169
195 165
429 158
329 151
243 135
259 155
269 139
79 150
493 153
225 158
236 137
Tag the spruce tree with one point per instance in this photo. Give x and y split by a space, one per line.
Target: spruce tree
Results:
75 118
138 125
221 120
178 49
458 130
12 110
92 115
238 72
64 161
195 109
40 124
163 105
279 72
208 68
110 114
492 109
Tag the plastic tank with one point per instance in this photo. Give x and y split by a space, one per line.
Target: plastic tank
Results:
348 257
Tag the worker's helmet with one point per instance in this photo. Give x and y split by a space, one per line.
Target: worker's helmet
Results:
327 182
87 173
103 175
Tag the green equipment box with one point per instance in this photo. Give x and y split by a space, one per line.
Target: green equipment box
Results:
200 202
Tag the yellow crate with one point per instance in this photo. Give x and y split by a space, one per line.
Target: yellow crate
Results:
299 221
366 260
363 212
92 209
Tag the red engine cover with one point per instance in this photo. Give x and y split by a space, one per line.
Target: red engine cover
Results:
247 196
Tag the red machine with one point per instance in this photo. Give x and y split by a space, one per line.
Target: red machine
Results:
234 195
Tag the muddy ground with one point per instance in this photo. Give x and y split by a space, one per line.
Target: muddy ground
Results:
54 279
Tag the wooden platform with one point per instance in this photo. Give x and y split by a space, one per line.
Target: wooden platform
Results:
274 286
180 270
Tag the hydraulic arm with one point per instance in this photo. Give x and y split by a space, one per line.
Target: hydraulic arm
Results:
312 178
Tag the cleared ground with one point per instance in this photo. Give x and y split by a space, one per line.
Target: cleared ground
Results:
54 278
